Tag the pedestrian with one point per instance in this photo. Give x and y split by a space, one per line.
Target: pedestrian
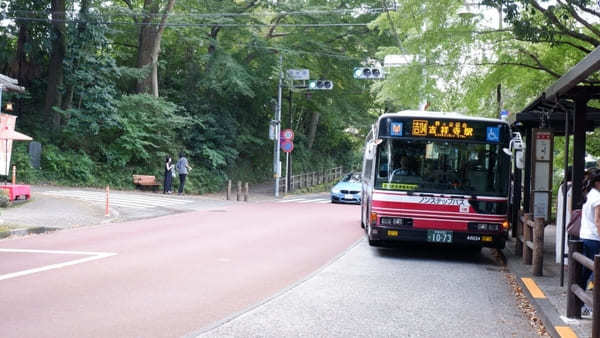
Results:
590 225
565 185
182 169
169 174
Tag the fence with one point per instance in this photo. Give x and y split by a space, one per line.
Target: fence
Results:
310 179
530 242
577 295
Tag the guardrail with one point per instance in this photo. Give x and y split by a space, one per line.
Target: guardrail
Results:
577 295
530 242
310 179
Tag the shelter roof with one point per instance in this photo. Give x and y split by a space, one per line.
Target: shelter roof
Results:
10 84
551 107
545 113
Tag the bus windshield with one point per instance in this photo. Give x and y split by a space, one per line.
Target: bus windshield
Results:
442 166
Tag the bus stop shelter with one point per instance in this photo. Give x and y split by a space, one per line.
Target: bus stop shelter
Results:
562 108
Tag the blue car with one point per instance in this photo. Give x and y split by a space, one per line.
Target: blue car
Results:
347 190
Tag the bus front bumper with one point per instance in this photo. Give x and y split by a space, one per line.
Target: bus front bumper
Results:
385 234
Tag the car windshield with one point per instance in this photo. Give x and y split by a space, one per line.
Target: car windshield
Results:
352 178
439 166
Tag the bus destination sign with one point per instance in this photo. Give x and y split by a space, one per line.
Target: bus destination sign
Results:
442 129
479 131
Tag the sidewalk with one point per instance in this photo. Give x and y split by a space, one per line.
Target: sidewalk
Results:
553 308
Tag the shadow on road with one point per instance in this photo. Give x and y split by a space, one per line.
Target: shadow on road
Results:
437 252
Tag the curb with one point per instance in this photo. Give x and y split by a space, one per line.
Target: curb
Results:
27 231
545 310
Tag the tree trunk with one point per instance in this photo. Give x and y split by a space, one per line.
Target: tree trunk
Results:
55 66
67 101
149 45
313 129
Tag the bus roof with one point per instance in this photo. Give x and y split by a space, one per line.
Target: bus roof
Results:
438 115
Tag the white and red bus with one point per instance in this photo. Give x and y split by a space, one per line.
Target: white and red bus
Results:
436 177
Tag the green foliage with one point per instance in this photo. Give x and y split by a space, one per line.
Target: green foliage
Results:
67 166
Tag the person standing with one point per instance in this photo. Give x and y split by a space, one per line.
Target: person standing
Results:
169 173
182 168
590 225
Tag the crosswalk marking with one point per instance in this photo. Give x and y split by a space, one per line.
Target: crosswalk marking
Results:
134 201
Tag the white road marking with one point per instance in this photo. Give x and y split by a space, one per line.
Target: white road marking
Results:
93 256
120 199
306 200
292 200
315 200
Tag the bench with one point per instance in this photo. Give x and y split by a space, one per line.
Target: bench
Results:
145 181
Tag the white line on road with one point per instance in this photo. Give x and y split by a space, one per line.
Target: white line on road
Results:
93 256
315 200
120 199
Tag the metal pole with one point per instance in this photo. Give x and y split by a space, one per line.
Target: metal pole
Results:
287 172
278 128
564 204
289 157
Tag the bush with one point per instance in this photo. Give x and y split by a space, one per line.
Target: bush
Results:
4 200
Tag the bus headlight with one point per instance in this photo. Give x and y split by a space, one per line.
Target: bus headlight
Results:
484 226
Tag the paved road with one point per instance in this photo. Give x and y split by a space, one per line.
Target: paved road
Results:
166 276
219 268
407 291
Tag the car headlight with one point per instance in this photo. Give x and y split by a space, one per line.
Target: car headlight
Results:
335 190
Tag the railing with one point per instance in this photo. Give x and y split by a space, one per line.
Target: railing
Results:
310 179
530 242
577 295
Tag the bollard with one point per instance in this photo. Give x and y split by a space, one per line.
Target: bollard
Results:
14 174
574 304
246 192
239 191
518 243
538 246
228 190
526 238
107 212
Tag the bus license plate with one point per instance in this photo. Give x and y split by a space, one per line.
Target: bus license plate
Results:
439 236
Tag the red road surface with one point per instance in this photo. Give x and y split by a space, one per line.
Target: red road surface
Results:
171 275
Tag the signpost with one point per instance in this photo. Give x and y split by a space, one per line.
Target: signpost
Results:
287 145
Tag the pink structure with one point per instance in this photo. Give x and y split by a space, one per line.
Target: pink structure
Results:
7 136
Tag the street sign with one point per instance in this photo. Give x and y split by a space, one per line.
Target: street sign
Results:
287 134
287 146
298 74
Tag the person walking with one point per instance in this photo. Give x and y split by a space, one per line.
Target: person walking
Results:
182 168
169 173
590 225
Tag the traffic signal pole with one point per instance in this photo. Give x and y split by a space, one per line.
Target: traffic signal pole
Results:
276 161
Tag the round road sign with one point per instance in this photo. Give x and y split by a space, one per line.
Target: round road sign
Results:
287 134
287 146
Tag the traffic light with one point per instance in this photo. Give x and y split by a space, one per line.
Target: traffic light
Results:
320 85
368 73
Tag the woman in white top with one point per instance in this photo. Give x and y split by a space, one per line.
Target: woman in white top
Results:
590 220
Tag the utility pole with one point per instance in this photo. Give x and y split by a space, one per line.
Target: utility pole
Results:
499 87
276 161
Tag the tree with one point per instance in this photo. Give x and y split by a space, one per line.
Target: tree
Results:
149 39
55 66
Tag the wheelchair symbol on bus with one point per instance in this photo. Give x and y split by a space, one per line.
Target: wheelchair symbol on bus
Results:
493 134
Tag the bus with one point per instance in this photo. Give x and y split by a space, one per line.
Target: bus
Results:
436 177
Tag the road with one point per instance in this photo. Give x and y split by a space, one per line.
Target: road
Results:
300 268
